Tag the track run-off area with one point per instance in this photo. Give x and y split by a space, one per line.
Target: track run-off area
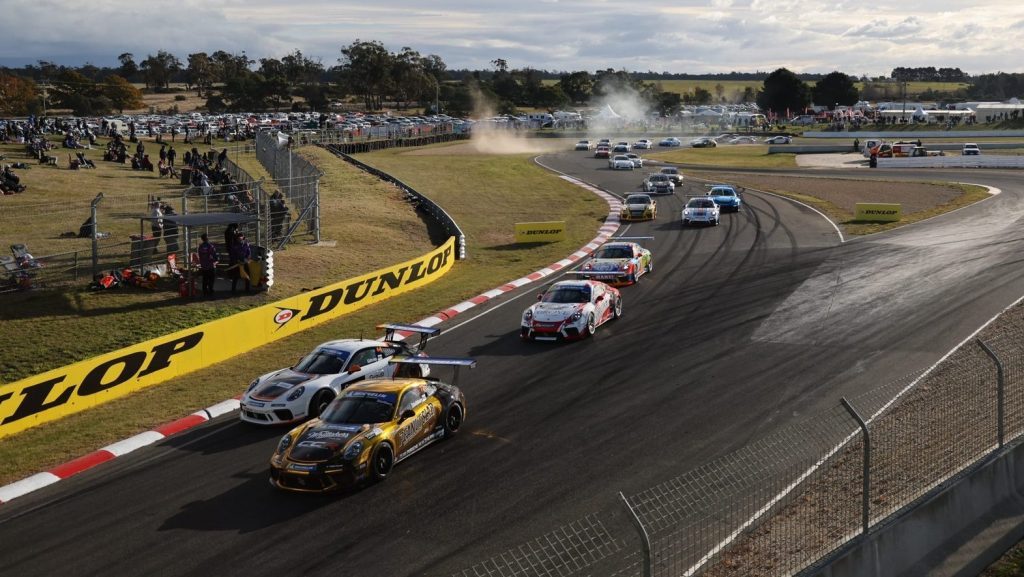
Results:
739 330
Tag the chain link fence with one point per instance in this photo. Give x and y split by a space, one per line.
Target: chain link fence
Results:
296 178
787 503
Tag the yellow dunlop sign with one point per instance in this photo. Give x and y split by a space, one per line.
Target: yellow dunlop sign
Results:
540 231
76 387
878 211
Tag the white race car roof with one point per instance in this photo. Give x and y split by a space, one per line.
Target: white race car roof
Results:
352 345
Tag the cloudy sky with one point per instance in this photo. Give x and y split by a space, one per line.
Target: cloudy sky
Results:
694 36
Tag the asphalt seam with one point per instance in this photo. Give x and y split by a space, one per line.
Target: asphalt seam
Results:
110 452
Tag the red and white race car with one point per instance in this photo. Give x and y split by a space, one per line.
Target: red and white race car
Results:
570 310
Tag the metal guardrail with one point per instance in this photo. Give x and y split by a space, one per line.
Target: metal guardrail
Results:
977 161
421 201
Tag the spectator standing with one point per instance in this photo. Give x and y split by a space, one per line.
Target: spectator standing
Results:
170 229
171 155
140 149
207 263
242 254
163 152
221 158
278 210
156 221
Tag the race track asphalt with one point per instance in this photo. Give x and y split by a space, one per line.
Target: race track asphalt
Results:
740 329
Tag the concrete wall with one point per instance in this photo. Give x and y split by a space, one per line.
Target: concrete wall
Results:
956 532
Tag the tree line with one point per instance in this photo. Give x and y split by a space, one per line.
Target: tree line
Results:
367 73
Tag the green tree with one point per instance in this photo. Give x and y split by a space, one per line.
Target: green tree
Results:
366 69
835 88
668 103
158 70
73 90
129 69
783 92
200 73
577 86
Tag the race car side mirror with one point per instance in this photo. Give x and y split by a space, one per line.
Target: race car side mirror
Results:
407 414
354 369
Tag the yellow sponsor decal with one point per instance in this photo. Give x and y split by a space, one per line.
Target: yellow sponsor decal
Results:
878 212
79 386
540 231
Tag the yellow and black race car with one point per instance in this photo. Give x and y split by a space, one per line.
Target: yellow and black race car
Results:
371 427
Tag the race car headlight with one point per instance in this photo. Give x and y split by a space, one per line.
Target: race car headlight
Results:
296 393
253 384
576 316
588 266
353 451
625 266
282 446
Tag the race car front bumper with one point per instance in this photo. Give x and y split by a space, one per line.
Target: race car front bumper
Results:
267 413
313 477
554 331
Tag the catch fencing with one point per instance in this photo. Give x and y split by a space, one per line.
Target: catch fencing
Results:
788 503
296 178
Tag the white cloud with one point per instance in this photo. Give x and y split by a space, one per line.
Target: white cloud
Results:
663 35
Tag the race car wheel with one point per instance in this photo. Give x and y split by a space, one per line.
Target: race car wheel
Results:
452 419
591 325
617 309
319 402
650 266
383 460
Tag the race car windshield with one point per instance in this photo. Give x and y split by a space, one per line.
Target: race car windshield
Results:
638 200
722 192
322 362
567 295
614 252
359 411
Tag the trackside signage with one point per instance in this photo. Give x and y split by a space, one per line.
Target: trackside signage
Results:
540 231
79 386
875 211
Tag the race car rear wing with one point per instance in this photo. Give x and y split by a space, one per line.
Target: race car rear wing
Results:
615 238
391 329
457 362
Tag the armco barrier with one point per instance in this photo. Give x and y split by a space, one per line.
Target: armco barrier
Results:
76 387
438 213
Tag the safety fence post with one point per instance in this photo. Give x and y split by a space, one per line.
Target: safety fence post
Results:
1000 391
866 481
645 539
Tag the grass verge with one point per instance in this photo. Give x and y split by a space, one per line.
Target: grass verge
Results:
739 156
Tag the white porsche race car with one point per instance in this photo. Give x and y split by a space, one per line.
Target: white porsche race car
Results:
570 310
701 209
304 390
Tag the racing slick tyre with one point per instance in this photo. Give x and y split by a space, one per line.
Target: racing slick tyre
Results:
591 327
452 419
650 267
617 309
319 402
716 222
382 462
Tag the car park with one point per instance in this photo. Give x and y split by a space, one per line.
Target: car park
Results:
366 431
725 196
584 145
638 207
643 144
620 162
303 391
621 261
637 161
570 310
701 210
671 141
703 142
659 184
970 149
778 140
673 174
